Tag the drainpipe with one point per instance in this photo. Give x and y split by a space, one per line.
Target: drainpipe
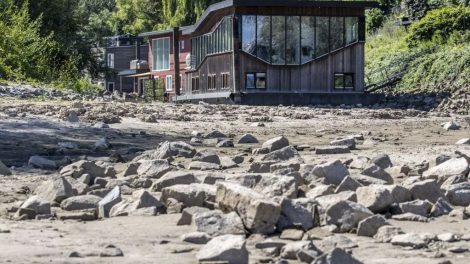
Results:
176 54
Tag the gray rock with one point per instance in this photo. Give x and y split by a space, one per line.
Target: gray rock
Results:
359 163
189 213
376 198
326 201
275 143
367 180
386 233
204 166
38 204
181 149
441 207
4 170
301 212
259 215
369 226
426 190
336 256
332 150
292 234
410 217
418 207
284 154
227 248
320 190
216 223
81 202
79 168
346 215
194 194
451 125
248 139
399 193
173 178
463 141
102 144
348 184
451 167
227 163
331 172
290 250
55 190
459 194
216 134
208 156
338 241
378 173
276 186
111 199
383 161
153 168
42 163
348 142
408 240
196 238
226 143
111 251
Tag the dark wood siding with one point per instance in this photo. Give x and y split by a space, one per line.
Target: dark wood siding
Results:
212 64
317 76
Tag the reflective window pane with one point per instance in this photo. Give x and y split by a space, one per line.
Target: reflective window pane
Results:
263 45
250 81
261 80
308 39
349 81
293 40
278 44
336 33
249 34
339 81
321 36
352 25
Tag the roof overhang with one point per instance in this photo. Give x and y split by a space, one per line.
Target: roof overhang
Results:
277 3
160 32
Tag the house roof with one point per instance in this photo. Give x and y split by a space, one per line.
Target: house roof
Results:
283 3
160 32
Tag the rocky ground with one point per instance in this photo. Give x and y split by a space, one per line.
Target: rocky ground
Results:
114 182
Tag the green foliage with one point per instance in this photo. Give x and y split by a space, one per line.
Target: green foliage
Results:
417 9
136 16
439 24
183 12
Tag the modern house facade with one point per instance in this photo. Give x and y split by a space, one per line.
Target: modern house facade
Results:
266 52
123 59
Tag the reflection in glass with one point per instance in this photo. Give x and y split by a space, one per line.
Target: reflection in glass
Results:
352 26
339 81
278 43
263 45
348 81
293 40
308 39
250 81
261 80
336 33
249 34
321 36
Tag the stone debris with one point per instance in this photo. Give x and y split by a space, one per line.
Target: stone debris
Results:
4 170
229 249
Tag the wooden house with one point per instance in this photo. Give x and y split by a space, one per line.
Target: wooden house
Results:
270 52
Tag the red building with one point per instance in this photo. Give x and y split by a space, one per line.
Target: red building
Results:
161 59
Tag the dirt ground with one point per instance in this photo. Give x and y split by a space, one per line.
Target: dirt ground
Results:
406 136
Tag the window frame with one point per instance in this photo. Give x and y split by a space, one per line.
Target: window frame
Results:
107 86
255 78
155 54
169 83
110 60
225 80
344 87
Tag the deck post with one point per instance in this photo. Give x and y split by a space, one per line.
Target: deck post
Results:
176 54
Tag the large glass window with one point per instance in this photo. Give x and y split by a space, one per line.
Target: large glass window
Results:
307 39
278 44
293 40
352 26
321 36
263 38
161 54
249 34
336 33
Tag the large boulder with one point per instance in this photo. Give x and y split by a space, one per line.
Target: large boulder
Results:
4 170
208 156
284 154
336 256
228 249
275 143
375 197
409 240
382 160
301 212
331 172
346 215
348 184
459 194
441 207
141 200
348 141
370 225
451 167
259 215
216 223
55 190
182 149
378 173
248 139
79 168
42 163
195 194
111 199
276 186
427 189
418 207
39 205
173 178
81 202
153 168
